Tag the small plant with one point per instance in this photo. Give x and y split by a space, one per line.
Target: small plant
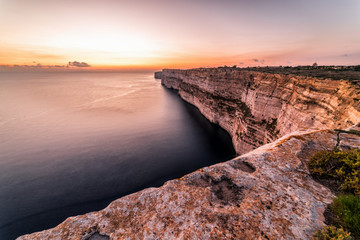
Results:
331 233
343 166
347 208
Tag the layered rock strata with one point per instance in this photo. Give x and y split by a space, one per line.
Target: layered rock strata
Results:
256 107
264 194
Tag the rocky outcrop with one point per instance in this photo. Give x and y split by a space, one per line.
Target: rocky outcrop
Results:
158 75
257 107
264 194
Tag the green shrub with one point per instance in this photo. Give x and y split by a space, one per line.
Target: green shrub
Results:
343 166
347 208
331 233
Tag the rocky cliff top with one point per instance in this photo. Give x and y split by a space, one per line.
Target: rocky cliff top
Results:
351 73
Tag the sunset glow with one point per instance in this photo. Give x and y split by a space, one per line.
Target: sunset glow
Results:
161 34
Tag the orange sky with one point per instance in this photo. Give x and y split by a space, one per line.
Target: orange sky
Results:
179 34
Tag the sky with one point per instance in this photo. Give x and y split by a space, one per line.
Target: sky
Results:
156 34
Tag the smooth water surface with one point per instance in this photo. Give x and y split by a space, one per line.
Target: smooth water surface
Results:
71 143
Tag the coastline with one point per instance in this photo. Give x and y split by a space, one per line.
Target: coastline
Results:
263 193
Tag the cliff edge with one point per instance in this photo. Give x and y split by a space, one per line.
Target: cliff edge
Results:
266 193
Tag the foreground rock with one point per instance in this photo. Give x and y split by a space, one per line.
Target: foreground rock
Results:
256 108
264 194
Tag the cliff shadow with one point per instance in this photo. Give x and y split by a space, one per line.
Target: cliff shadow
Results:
216 137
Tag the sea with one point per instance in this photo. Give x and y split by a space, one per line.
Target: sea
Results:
72 142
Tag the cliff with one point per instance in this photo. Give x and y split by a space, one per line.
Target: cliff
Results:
157 75
266 193
258 107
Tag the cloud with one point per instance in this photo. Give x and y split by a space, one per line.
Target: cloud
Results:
78 64
40 67
262 61
27 66
345 55
56 66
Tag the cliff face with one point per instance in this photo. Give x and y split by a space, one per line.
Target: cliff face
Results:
264 194
256 108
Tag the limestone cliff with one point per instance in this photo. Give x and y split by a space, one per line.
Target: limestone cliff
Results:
256 107
266 193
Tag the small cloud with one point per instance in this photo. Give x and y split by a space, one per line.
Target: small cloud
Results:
56 66
78 64
256 60
241 63
345 55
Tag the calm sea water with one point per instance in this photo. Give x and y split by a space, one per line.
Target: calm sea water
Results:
71 143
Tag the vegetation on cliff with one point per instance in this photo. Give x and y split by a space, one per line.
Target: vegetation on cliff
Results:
347 211
341 172
342 166
331 233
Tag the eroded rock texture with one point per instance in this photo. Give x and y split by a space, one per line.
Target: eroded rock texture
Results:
257 108
264 194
